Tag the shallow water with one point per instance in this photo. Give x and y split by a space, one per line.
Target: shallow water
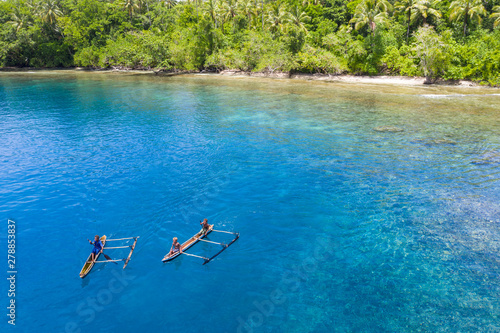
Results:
361 208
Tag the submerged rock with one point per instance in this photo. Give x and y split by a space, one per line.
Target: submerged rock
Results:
392 129
488 158
430 142
417 141
442 142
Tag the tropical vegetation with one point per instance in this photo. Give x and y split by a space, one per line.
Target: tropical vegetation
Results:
446 39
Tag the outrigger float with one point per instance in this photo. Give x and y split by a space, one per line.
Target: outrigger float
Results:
89 264
200 236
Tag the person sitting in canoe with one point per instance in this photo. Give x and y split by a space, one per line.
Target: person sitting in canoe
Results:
176 247
205 226
97 247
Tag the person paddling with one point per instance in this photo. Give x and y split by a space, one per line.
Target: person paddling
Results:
205 226
176 247
97 247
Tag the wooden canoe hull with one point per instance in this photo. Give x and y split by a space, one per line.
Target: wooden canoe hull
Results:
89 264
187 244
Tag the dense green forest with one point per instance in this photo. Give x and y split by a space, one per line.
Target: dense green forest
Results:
457 39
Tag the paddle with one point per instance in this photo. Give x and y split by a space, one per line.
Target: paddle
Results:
108 258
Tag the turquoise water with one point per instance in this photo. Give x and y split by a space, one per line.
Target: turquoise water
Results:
361 208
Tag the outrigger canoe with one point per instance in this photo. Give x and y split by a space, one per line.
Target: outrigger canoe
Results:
199 237
89 264
190 242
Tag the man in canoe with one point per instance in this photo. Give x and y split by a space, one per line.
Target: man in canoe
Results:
97 246
176 247
205 226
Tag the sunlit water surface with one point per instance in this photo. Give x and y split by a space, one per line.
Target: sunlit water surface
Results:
361 208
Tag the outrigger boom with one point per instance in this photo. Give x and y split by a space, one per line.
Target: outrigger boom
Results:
226 232
204 240
223 247
132 248
112 260
118 247
119 239
194 255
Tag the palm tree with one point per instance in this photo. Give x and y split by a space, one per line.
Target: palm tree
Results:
496 16
371 13
246 7
406 7
466 10
211 10
170 3
130 6
256 12
32 6
277 17
229 12
220 13
19 19
298 17
230 9
140 4
262 13
49 11
308 2
196 5
423 9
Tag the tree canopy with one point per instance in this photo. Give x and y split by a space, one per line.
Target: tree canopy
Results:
449 39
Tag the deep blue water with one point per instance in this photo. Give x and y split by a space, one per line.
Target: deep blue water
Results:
343 228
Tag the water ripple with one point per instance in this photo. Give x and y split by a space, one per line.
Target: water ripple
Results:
408 219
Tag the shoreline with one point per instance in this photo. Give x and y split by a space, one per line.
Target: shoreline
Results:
348 78
342 78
